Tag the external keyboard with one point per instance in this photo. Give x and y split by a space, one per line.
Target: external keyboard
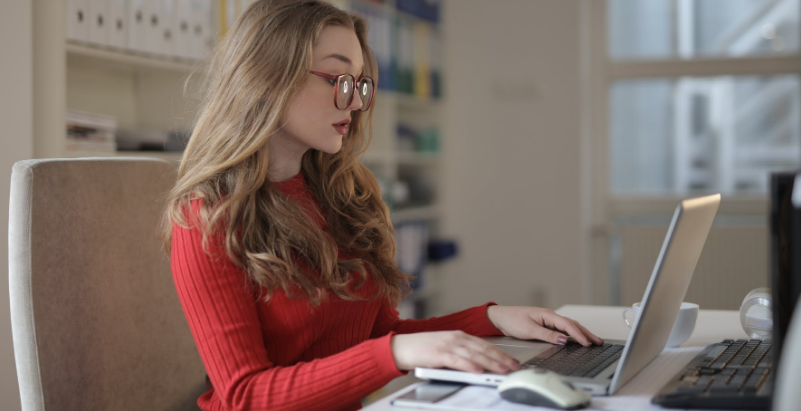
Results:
733 374
575 360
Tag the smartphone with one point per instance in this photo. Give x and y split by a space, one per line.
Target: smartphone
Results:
428 393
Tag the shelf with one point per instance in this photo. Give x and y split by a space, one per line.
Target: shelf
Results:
391 10
376 157
415 213
402 158
164 155
418 159
125 61
423 294
410 101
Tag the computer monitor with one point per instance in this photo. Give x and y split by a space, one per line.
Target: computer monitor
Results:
785 240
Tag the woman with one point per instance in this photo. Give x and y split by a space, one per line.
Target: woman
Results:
281 248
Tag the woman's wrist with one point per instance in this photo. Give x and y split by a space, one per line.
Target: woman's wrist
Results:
491 310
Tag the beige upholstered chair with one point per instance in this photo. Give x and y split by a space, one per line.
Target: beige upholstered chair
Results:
95 317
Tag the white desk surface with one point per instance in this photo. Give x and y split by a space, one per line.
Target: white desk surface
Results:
607 322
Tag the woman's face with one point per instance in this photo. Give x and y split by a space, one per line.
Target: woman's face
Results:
311 119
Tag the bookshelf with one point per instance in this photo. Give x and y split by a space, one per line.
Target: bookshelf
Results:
125 61
146 92
407 122
143 92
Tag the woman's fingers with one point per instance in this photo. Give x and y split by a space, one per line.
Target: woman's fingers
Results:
457 362
491 357
572 328
479 361
548 335
450 349
594 338
479 355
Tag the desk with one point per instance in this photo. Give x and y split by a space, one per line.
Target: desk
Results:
606 322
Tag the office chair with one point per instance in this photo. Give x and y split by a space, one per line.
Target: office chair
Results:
95 318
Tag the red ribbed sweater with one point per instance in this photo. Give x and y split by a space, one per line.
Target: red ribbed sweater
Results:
285 354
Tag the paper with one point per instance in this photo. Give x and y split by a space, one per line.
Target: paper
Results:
477 398
634 396
483 398
637 393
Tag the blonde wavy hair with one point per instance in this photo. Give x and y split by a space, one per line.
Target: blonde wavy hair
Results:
251 76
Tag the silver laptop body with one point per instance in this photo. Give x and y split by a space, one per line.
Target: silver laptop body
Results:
672 273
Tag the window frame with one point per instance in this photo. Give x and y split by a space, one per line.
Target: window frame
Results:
600 206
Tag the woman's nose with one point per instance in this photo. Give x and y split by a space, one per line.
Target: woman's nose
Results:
356 103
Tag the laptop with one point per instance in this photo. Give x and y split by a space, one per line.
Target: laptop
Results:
603 369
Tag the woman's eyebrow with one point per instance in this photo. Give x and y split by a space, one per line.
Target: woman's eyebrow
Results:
343 59
340 58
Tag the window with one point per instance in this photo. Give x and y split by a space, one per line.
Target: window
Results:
665 29
675 132
685 98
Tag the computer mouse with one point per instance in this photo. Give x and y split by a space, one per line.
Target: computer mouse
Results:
537 386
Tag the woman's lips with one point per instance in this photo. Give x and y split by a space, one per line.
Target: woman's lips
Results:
341 129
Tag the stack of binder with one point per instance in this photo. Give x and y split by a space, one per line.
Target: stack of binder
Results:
428 10
406 46
167 28
411 239
88 132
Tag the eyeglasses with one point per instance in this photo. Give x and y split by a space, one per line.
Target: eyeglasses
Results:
344 86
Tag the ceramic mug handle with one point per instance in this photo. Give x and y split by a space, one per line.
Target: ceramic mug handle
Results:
625 319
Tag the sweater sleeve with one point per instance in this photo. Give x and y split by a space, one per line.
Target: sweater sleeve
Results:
473 321
219 305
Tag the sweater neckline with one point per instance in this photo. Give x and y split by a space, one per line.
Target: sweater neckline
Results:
295 185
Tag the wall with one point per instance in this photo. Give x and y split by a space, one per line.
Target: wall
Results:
512 151
16 116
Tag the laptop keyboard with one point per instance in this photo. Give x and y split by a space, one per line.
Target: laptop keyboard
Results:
733 374
575 360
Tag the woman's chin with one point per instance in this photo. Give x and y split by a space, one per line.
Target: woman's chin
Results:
332 148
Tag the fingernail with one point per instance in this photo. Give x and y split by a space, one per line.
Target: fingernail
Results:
561 339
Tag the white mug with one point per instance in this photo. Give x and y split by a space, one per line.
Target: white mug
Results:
682 328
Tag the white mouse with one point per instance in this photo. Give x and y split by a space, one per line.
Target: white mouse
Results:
537 386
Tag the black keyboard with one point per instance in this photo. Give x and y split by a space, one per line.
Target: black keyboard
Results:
575 360
733 374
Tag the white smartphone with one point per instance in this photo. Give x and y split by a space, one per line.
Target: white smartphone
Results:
427 394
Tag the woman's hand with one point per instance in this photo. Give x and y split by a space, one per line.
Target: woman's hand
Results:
450 349
532 323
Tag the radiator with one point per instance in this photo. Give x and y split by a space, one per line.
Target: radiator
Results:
734 261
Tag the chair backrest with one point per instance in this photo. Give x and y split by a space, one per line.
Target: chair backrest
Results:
95 318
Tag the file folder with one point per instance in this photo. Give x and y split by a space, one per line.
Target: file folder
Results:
183 30
77 17
117 25
97 22
152 31
202 35
164 35
137 18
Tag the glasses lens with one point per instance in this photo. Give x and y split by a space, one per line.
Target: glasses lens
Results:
344 91
366 92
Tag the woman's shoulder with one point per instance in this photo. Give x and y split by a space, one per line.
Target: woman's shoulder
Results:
196 213
195 224
197 206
